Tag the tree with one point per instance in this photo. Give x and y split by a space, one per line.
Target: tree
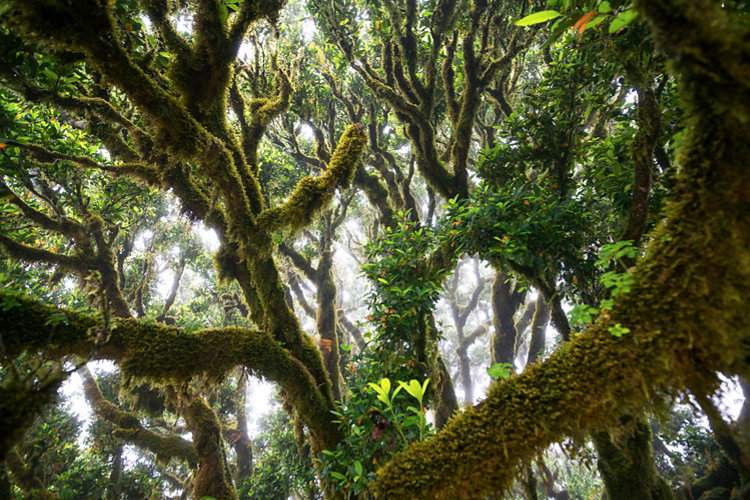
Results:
108 105
177 136
656 313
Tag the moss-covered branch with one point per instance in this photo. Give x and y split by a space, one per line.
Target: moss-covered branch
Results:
173 127
32 255
686 314
24 474
213 479
136 170
314 193
130 429
159 13
159 353
300 261
263 110
22 399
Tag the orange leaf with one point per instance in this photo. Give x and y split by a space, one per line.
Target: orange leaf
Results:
581 24
325 344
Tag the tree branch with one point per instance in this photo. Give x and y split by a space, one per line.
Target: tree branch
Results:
130 429
313 193
686 314
159 353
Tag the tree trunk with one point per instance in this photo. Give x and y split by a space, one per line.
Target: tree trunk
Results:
627 466
505 301
538 331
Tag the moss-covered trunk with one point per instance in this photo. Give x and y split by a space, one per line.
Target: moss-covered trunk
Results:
686 313
326 319
213 478
627 465
506 299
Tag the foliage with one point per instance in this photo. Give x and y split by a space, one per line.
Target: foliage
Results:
540 136
521 225
280 468
53 456
617 282
500 370
404 290
377 423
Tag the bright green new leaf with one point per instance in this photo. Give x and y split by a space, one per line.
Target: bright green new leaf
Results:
416 390
622 20
598 19
500 370
383 389
618 330
538 17
223 13
385 384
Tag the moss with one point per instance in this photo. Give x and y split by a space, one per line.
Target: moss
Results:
131 430
263 110
325 321
164 447
213 479
627 466
313 193
226 264
158 353
21 400
24 476
687 312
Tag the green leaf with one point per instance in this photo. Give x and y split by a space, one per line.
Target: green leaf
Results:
358 467
375 387
618 330
598 19
56 319
622 20
582 315
9 302
223 13
538 17
500 370
385 384
604 7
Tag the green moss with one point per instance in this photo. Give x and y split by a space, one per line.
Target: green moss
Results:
313 193
131 431
687 312
262 111
21 400
627 465
213 479
164 447
158 354
325 321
